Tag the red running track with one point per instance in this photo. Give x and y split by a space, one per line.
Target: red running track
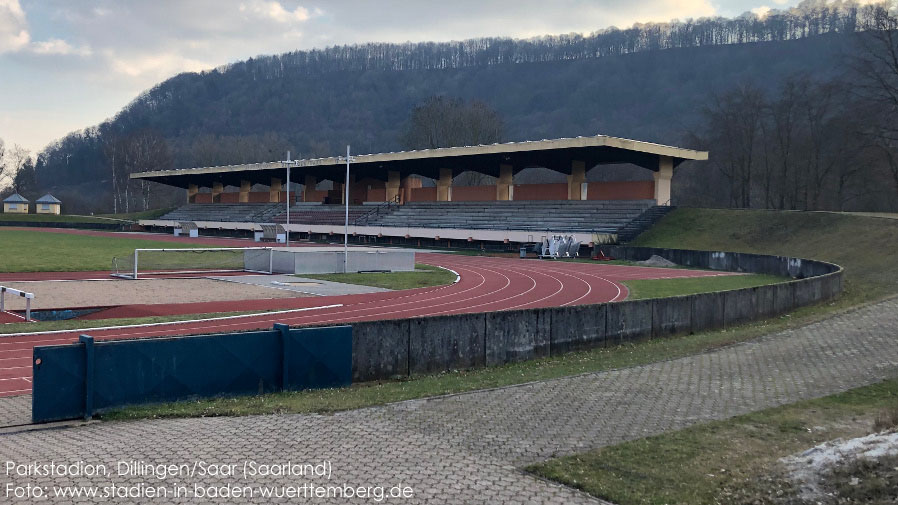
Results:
485 284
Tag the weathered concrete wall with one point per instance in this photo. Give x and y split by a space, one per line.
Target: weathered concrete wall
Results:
517 335
576 328
442 343
380 350
401 348
671 316
628 321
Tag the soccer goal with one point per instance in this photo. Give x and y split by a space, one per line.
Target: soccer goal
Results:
149 262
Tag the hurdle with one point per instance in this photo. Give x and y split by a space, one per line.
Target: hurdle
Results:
27 296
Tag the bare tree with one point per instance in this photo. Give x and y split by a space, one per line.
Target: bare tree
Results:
734 129
141 151
877 65
4 172
16 158
451 122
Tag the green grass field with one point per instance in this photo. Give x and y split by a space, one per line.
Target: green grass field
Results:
424 276
68 218
36 251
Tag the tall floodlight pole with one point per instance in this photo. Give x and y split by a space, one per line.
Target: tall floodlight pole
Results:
287 230
346 224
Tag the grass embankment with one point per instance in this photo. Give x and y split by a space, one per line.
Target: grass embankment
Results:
731 461
862 245
820 236
424 276
659 288
37 251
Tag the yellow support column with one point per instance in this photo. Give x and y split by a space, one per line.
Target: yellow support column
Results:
244 192
343 189
192 190
662 180
393 184
217 189
274 190
576 180
309 186
503 184
444 185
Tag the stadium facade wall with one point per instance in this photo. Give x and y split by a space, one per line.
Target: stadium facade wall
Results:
404 348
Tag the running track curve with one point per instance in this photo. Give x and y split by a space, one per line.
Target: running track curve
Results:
485 284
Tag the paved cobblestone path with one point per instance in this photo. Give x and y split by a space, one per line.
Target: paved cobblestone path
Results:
469 448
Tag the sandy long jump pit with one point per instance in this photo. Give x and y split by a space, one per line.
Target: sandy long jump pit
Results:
105 293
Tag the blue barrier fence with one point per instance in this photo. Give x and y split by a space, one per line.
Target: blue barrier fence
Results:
78 380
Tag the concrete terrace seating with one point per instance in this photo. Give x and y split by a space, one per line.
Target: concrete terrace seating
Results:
226 212
604 216
321 214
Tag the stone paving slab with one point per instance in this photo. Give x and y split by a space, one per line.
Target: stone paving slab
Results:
15 410
469 448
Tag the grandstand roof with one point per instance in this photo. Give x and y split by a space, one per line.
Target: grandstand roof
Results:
555 154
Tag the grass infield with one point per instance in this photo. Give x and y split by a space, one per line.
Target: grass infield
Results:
424 276
37 251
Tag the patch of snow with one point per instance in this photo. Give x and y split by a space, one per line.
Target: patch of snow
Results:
807 468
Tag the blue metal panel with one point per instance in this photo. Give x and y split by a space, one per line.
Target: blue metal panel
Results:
127 372
57 391
319 358
157 370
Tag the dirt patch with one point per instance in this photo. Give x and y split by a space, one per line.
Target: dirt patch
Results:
55 294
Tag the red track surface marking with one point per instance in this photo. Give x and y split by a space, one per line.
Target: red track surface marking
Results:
486 284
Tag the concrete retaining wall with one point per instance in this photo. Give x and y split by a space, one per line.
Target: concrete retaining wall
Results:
402 348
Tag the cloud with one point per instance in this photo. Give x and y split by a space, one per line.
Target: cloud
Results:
761 11
59 46
275 11
164 64
13 27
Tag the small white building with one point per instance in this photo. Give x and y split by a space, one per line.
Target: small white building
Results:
15 204
48 204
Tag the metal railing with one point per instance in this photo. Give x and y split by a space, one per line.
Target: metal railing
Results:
382 209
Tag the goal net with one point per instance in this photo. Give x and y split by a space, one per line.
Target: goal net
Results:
148 262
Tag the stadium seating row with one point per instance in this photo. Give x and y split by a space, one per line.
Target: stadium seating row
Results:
557 216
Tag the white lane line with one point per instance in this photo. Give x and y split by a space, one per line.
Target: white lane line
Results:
341 315
15 367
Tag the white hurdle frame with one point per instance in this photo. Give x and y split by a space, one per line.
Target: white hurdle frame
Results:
269 249
28 297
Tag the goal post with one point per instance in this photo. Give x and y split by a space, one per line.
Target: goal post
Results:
209 260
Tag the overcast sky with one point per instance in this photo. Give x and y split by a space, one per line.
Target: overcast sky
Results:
65 64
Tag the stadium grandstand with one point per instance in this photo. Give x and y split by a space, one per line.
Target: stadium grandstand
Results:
388 197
